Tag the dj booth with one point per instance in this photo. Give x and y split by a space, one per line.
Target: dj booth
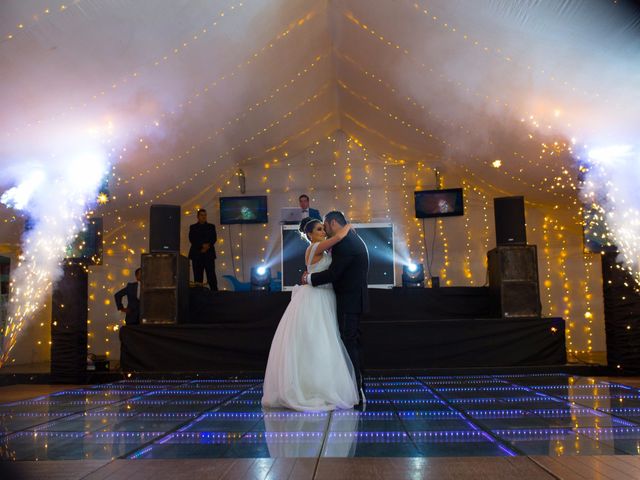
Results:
406 329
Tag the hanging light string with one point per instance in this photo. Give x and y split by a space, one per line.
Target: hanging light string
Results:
404 51
406 210
566 285
35 18
237 119
287 117
552 229
385 181
424 67
586 287
367 169
420 173
433 137
137 74
284 34
445 242
466 265
223 177
547 148
548 283
484 49
348 177
361 124
334 163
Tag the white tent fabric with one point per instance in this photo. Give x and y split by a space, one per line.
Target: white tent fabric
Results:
169 75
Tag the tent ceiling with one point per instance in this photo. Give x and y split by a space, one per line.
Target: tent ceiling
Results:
197 88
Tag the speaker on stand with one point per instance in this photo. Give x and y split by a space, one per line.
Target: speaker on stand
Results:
513 265
164 296
509 221
164 228
513 281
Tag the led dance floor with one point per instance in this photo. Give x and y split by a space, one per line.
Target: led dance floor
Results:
406 416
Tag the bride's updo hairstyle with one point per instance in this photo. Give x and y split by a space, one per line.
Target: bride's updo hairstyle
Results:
306 227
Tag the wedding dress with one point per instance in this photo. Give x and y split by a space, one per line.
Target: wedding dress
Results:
309 368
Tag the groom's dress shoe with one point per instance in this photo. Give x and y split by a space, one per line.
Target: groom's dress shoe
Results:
362 403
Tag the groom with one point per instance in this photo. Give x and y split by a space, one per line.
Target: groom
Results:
348 274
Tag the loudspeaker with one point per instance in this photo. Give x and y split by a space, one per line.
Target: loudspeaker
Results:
513 281
164 228
519 300
621 316
69 305
164 296
5 275
510 221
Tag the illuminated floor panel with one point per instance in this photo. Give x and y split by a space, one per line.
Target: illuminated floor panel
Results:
409 416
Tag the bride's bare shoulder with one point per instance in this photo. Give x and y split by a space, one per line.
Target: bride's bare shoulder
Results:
308 251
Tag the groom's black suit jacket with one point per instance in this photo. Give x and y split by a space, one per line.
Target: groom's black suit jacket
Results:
348 274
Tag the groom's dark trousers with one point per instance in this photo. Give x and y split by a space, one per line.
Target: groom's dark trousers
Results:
348 274
349 324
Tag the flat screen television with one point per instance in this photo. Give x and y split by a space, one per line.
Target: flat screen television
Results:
234 210
439 203
595 238
87 246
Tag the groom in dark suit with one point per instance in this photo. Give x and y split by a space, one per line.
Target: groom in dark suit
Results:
348 274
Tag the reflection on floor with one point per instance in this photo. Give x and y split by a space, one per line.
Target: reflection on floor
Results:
407 416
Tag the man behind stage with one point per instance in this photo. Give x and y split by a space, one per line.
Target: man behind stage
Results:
132 292
202 253
306 211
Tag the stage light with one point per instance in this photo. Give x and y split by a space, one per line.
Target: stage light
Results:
412 275
260 278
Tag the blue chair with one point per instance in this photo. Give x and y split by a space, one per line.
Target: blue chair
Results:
238 286
276 283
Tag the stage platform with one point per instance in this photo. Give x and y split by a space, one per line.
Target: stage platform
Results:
410 329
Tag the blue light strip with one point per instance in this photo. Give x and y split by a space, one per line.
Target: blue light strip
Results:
496 441
168 436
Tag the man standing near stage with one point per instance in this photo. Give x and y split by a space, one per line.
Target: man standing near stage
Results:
202 236
132 292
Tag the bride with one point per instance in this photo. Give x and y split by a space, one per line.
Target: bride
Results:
308 367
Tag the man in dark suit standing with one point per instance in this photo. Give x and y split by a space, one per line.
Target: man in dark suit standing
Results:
202 253
348 274
132 292
306 211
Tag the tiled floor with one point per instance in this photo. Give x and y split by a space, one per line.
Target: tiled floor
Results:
551 415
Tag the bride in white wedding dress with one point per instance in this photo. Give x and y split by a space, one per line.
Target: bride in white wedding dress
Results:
309 368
